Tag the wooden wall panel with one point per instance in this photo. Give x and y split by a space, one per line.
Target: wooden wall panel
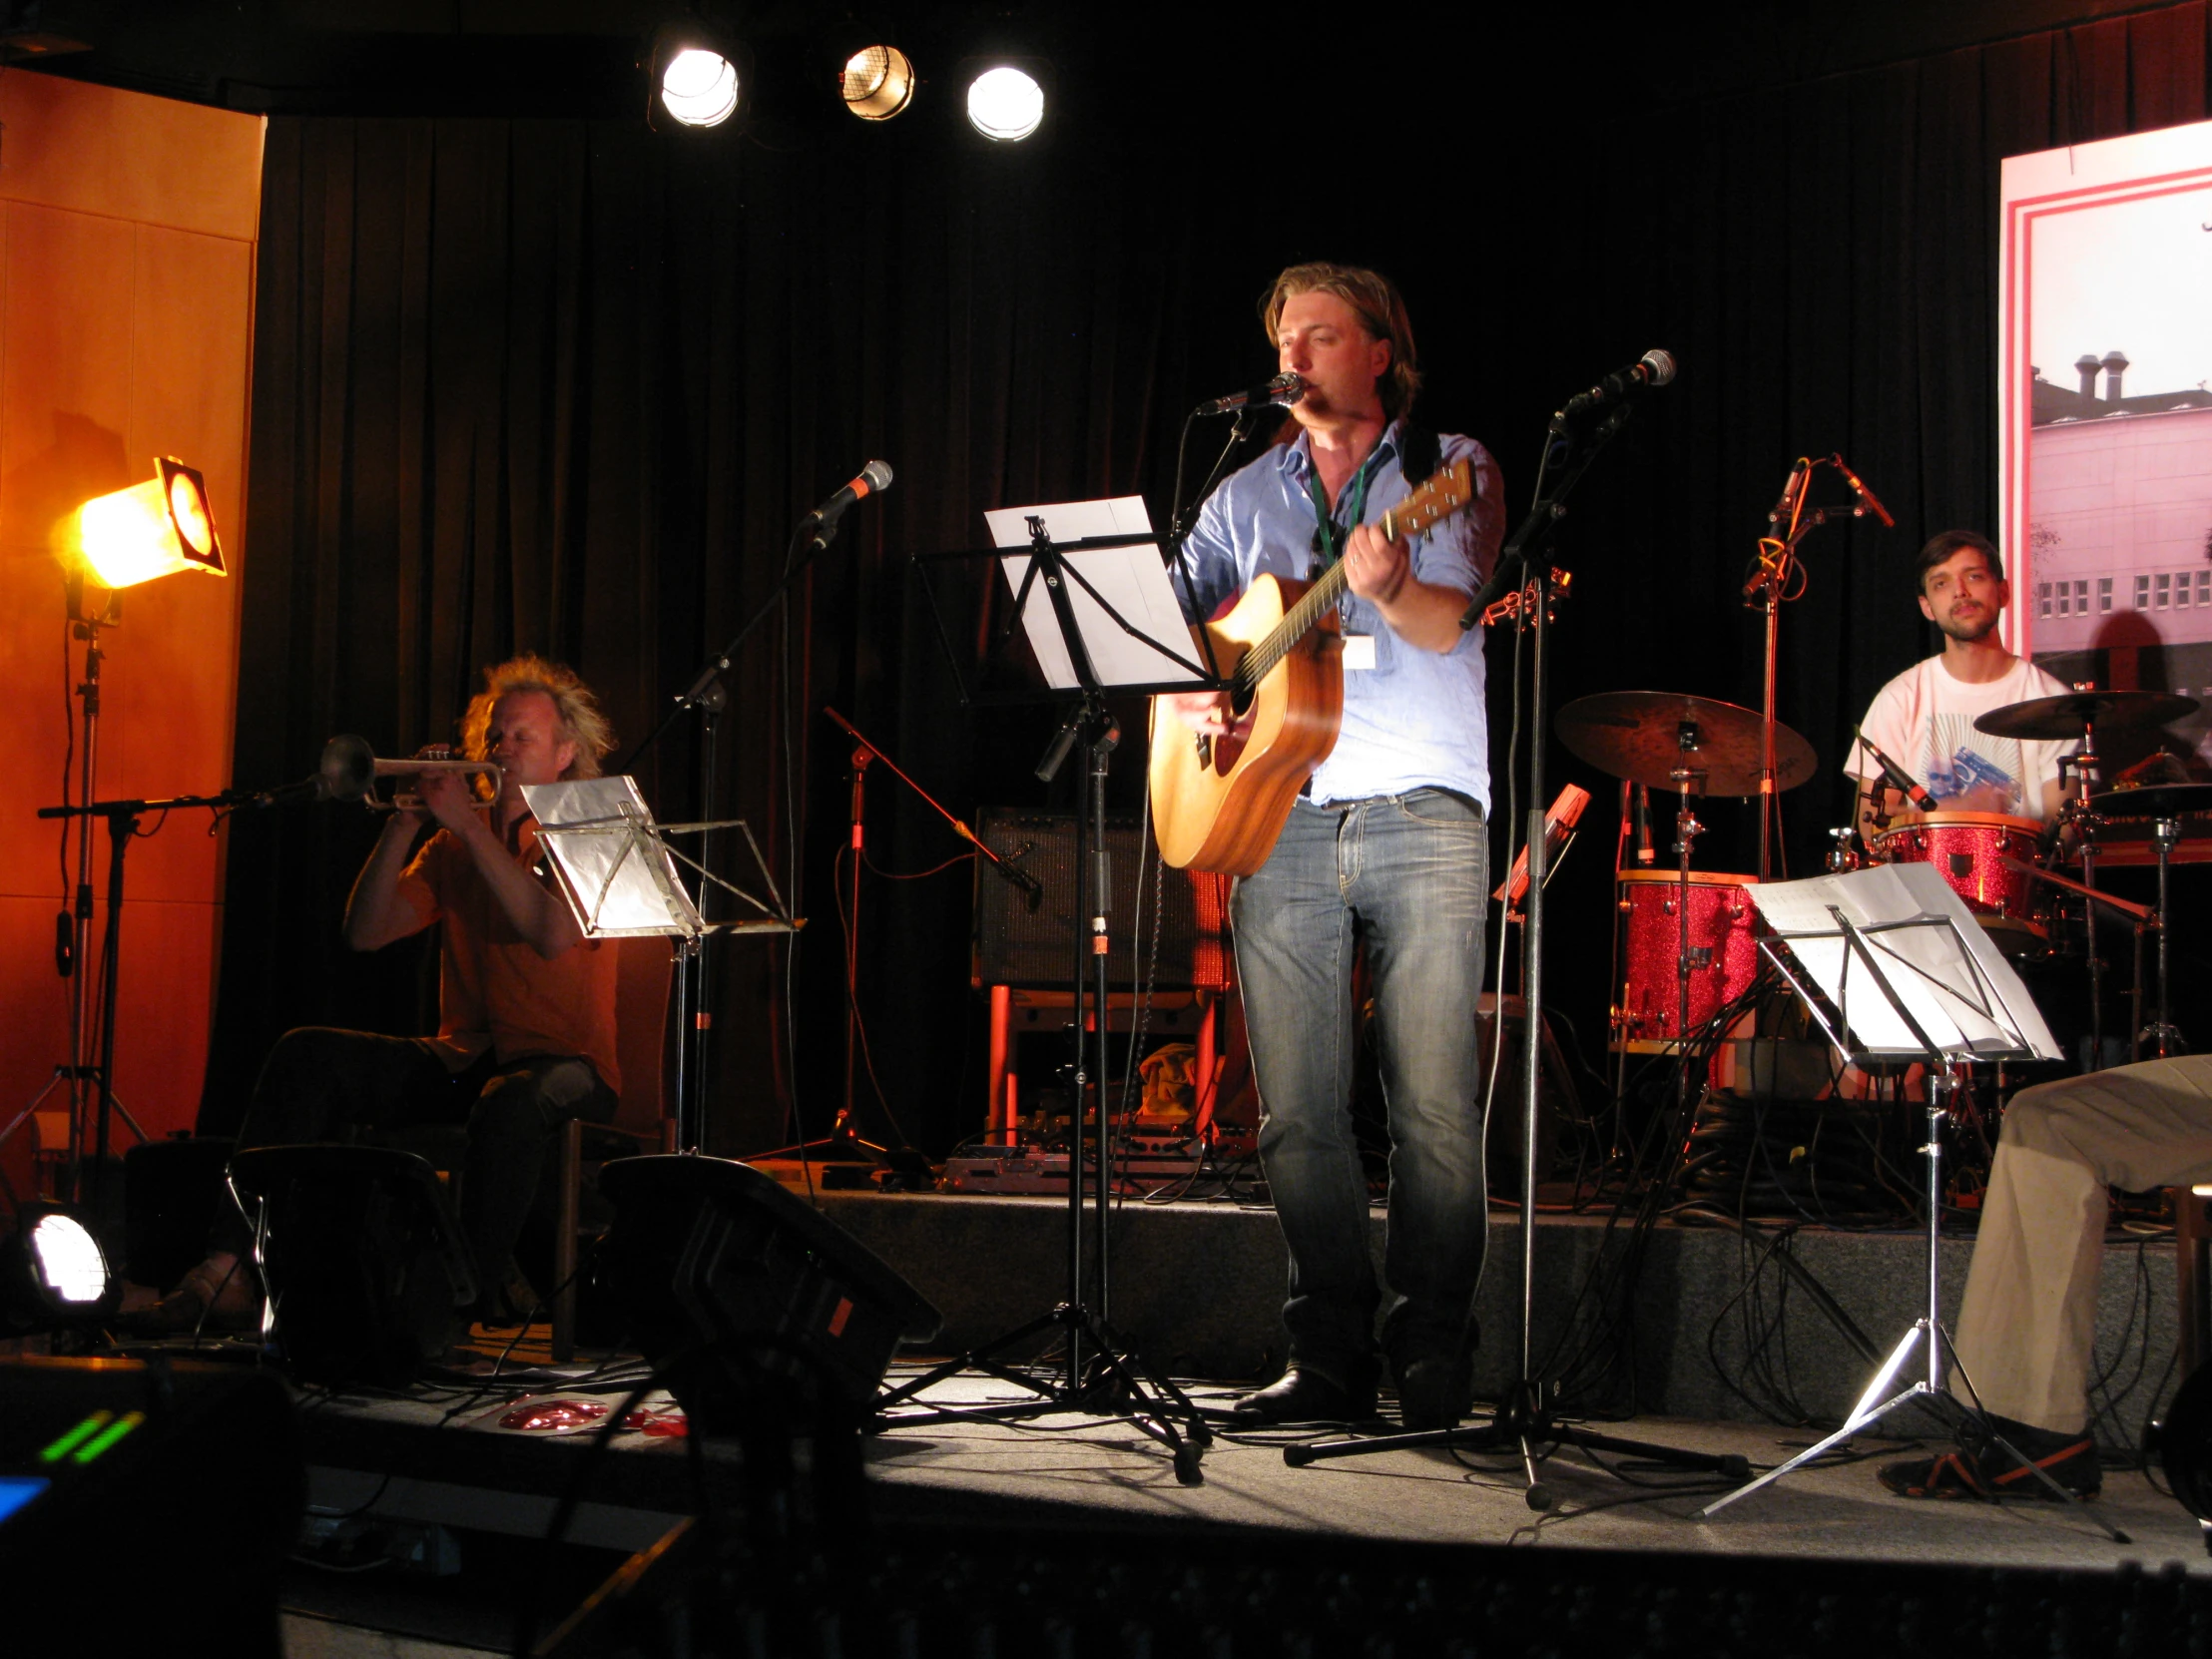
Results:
126 228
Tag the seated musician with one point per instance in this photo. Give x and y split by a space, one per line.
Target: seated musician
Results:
1923 719
2027 1330
526 1030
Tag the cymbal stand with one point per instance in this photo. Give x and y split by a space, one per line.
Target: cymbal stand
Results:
2159 1036
1686 777
2085 822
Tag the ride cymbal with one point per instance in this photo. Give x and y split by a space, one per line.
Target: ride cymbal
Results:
1648 737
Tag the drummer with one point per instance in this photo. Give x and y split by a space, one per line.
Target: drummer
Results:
1924 718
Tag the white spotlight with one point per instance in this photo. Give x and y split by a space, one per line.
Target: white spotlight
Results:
698 87
877 83
1005 104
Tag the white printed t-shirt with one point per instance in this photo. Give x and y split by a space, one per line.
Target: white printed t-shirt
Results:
1923 721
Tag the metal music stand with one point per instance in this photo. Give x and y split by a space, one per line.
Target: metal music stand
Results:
1893 966
1085 648
617 871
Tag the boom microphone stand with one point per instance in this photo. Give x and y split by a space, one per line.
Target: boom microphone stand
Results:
1525 1418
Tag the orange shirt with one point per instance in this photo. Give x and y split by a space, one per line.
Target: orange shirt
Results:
494 991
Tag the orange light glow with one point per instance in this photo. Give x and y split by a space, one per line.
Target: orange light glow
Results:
150 530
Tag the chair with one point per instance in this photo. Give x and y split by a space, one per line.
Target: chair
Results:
642 1122
2193 1272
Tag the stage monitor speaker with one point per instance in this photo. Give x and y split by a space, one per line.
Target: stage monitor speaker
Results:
1017 945
364 1260
756 1305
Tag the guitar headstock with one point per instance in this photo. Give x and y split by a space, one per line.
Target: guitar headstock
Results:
1445 494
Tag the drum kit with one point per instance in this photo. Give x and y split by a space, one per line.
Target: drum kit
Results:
1688 948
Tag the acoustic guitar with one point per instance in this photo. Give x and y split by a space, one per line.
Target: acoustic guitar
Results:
1220 802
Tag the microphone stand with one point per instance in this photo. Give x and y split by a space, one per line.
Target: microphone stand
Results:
710 697
844 1141
1526 1419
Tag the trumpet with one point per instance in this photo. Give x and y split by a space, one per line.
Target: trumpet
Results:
351 771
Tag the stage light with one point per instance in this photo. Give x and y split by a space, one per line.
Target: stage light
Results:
1005 104
54 1273
877 83
153 529
698 87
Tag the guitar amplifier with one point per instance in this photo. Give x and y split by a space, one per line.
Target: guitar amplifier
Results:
1017 945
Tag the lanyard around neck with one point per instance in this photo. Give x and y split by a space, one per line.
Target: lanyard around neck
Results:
1328 536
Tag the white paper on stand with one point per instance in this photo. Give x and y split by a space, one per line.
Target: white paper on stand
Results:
1954 980
1132 579
612 868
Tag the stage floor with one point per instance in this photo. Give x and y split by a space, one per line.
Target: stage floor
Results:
1086 1472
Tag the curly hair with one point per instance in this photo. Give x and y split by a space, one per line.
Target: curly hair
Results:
582 722
1380 309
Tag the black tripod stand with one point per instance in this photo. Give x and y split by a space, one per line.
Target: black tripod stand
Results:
1100 1376
1526 1419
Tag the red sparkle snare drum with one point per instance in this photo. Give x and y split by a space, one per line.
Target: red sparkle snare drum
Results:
1968 850
1724 953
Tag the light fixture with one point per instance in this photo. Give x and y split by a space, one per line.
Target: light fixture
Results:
54 1273
877 83
697 79
1005 104
156 528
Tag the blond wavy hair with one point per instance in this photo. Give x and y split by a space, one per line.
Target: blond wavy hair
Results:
582 722
1374 299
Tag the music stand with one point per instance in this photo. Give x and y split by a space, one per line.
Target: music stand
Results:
1893 966
1093 560
617 871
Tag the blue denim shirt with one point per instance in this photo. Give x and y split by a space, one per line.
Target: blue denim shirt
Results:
1416 719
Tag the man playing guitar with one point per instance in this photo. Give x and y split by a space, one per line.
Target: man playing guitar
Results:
1387 851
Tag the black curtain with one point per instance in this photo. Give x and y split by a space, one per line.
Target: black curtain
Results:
567 387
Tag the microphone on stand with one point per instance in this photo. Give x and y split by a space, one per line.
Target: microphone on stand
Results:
1642 816
1873 501
1792 487
1654 369
874 478
1898 779
1285 388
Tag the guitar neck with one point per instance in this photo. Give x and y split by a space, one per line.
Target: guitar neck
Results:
1328 590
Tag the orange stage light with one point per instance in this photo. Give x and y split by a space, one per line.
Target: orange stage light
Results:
153 529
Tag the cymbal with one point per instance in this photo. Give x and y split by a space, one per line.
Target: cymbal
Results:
2056 719
1638 735
2153 800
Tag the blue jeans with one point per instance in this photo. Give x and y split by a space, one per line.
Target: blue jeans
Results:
1404 875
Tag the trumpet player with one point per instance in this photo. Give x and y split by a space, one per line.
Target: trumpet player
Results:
526 1028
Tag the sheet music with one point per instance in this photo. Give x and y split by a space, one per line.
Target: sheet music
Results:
617 876
1133 580
1954 980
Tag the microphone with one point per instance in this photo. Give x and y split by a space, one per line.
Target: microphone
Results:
1285 388
1792 487
1032 889
1654 369
1898 779
875 476
1641 809
1873 501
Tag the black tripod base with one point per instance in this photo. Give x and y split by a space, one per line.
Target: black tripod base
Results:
1519 1430
1105 1380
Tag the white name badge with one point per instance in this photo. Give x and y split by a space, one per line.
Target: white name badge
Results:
1359 651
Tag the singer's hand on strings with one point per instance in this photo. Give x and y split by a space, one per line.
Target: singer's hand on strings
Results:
1206 713
1374 569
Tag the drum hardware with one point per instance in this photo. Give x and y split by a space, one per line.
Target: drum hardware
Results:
1776 577
2143 917
1843 857
2077 715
